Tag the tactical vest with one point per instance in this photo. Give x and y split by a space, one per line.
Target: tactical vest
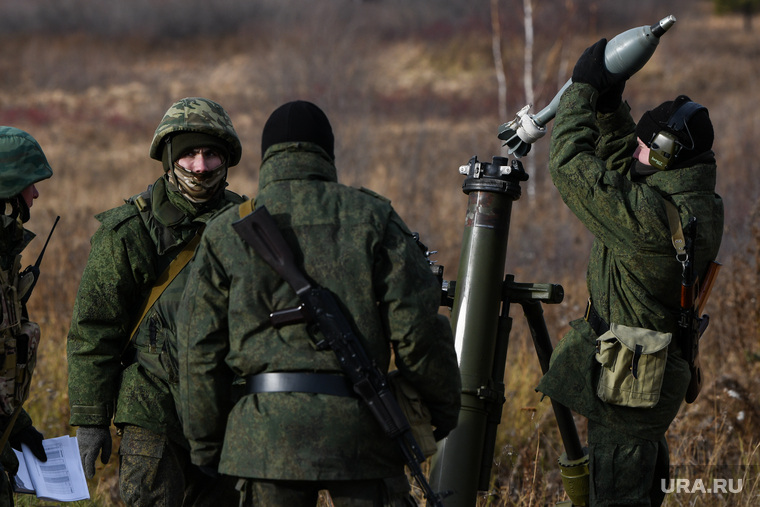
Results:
19 339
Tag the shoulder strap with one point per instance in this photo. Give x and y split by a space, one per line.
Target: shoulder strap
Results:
9 428
169 274
676 231
245 208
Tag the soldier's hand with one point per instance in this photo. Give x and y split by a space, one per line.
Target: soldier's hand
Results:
93 440
32 439
590 69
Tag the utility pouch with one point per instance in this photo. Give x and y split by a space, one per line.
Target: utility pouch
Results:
633 365
26 359
415 411
19 339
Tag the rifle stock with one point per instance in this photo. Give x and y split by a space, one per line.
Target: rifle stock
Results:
319 307
705 288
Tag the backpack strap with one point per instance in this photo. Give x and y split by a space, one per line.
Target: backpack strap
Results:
163 281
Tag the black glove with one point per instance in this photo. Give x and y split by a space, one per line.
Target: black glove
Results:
93 440
590 69
33 439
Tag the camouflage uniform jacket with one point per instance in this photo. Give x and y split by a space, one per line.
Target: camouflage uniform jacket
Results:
131 248
633 276
351 242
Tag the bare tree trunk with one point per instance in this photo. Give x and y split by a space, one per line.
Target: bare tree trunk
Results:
498 63
528 83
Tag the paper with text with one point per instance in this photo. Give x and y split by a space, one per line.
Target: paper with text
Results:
60 478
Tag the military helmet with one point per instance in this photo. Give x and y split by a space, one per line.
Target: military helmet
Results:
196 114
22 162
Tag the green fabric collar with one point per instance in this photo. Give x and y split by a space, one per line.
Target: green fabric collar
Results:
296 161
696 178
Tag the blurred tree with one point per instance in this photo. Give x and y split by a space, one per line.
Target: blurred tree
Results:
747 8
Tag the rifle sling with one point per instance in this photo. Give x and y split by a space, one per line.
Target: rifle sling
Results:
676 231
166 277
245 208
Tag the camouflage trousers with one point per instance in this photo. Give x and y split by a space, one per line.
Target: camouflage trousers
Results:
625 470
391 492
156 472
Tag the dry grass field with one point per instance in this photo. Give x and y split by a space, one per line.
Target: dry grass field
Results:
411 91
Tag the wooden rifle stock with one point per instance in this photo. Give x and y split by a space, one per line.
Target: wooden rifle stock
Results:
705 288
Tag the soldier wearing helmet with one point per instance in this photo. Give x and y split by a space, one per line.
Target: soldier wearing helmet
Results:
22 165
121 340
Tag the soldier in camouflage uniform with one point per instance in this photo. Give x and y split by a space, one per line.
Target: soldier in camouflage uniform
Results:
120 354
634 277
22 165
285 443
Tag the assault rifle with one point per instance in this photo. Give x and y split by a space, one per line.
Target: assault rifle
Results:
319 308
692 322
34 270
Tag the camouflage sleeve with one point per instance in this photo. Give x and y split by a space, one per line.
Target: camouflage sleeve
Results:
117 272
617 139
598 191
409 296
202 344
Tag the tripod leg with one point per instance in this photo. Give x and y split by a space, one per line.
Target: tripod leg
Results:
534 313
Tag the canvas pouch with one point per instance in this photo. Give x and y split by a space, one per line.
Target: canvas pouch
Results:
633 365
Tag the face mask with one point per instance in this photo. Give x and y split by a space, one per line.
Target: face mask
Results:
639 170
199 188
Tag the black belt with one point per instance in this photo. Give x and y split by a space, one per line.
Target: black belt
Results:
281 382
598 324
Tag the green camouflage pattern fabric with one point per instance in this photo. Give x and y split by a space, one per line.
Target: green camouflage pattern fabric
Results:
196 114
22 162
156 472
128 253
633 277
615 481
351 242
386 492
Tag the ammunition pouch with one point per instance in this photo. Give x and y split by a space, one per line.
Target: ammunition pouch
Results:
633 365
416 412
19 339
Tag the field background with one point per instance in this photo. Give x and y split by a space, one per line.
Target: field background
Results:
412 93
